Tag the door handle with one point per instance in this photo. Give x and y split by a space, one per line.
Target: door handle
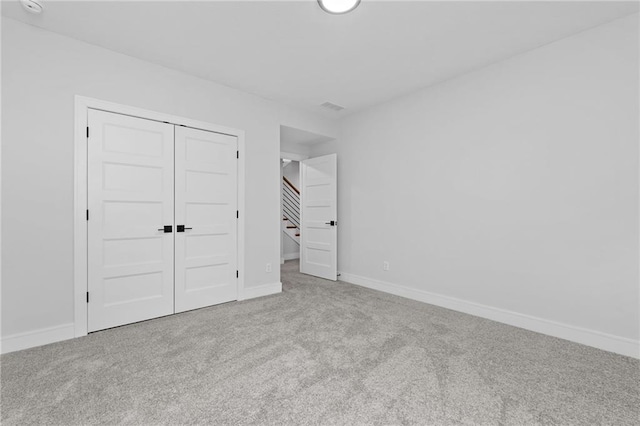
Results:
332 223
181 228
167 228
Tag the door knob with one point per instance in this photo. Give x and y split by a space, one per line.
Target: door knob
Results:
167 228
181 228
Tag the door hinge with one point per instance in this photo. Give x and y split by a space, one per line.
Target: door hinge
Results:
87 297
87 214
87 132
237 154
237 274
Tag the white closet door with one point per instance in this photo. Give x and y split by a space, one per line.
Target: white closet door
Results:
130 196
206 205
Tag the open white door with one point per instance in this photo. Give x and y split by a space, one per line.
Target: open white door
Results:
318 215
130 219
206 205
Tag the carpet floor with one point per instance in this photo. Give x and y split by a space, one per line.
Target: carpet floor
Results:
320 353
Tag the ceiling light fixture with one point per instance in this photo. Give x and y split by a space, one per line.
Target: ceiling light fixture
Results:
338 7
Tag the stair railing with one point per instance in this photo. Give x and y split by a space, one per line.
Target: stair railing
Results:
290 202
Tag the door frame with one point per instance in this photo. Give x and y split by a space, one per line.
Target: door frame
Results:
80 199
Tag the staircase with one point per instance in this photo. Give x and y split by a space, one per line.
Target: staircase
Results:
290 210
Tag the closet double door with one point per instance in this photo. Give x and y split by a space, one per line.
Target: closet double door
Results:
162 219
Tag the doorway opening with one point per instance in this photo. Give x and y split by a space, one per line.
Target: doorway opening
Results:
308 221
290 204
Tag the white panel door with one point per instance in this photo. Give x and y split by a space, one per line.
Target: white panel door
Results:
130 200
206 206
318 216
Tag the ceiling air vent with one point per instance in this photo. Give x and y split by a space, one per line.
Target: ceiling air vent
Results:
331 106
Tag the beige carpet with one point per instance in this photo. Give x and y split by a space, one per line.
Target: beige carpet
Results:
319 353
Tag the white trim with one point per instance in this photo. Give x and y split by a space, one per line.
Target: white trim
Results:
291 256
261 290
43 336
292 156
604 341
80 203
82 105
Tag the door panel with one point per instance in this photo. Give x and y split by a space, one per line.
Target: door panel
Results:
206 202
318 208
130 196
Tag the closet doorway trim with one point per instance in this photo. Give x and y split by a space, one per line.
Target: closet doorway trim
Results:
80 249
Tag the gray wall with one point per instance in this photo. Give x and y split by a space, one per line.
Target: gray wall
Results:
513 187
41 74
292 172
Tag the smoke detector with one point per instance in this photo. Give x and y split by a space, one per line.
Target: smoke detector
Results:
332 106
33 6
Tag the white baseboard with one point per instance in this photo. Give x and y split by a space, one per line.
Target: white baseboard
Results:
261 290
291 256
43 336
604 341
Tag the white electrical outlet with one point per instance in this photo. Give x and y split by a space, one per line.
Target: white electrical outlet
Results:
385 266
268 268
